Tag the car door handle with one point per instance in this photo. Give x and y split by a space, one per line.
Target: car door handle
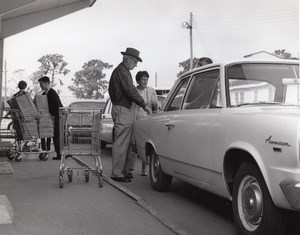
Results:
169 125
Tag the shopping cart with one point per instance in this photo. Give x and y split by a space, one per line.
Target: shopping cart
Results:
80 141
28 130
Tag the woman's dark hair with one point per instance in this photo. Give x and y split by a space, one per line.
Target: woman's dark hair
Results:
141 74
22 85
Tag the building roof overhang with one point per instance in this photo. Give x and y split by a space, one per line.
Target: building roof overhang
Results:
19 15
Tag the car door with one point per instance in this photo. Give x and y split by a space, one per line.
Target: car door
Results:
189 129
160 128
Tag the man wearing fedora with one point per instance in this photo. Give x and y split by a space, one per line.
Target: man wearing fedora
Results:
123 93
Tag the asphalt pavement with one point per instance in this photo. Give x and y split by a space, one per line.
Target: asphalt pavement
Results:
41 207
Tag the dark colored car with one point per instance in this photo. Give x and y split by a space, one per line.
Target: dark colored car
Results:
80 119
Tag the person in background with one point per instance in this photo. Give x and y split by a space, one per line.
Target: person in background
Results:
123 94
54 104
204 61
22 86
150 97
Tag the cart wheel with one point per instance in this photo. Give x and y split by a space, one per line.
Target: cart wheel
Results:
43 156
11 155
46 156
86 175
70 175
18 157
61 181
100 178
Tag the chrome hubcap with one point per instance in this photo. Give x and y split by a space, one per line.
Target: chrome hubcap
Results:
250 203
155 167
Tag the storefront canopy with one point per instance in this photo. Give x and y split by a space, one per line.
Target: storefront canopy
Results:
19 15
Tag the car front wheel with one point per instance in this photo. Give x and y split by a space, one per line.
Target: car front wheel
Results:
159 180
253 209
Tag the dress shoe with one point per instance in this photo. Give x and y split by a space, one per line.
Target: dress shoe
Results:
56 158
129 176
121 179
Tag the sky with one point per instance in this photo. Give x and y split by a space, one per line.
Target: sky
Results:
222 30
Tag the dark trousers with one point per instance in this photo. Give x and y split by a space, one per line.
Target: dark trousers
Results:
46 142
56 140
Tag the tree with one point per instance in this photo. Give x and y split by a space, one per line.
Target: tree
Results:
12 82
90 81
34 88
284 55
53 65
186 65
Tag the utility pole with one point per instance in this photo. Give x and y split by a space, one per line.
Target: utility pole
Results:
189 25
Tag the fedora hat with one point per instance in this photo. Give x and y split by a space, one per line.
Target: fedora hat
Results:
132 52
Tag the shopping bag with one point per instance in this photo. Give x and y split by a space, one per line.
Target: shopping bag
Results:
41 103
45 126
26 106
27 130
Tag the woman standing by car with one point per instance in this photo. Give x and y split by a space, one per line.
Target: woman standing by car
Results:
150 97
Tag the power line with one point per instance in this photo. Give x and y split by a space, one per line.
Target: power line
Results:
283 16
254 14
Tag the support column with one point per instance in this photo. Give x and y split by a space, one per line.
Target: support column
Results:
1 66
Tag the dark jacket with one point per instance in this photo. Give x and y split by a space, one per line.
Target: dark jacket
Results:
121 89
19 93
53 102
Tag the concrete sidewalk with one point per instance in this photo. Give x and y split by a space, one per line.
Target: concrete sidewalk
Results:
41 207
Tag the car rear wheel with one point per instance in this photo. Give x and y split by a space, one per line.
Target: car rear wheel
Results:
253 209
159 180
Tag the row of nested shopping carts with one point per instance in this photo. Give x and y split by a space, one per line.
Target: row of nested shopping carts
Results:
79 140
25 134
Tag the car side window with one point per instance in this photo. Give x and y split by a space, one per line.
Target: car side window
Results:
176 100
203 88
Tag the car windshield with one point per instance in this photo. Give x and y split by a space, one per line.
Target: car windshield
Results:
257 84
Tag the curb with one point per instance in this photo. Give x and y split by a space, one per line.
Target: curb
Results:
142 203
139 200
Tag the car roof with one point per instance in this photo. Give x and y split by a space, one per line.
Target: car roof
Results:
226 63
240 61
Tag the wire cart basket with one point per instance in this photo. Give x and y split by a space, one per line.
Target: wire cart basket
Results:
80 139
27 132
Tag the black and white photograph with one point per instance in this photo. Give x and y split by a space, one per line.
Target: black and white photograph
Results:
147 117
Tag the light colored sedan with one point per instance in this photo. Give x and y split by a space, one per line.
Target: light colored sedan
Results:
6 122
107 124
232 129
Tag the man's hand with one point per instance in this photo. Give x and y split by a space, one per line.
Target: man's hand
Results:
147 110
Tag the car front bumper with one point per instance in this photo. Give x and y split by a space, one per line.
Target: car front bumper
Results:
291 190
